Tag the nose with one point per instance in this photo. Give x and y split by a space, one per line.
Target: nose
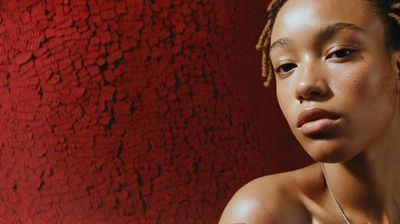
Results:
311 85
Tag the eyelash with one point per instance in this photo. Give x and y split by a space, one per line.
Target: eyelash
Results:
289 66
348 52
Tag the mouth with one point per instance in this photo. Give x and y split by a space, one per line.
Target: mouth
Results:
315 121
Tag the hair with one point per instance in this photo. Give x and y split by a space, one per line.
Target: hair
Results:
388 10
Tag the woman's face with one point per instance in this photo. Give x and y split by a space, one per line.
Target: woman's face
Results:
337 83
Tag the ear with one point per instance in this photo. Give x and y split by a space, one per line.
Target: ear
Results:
397 59
397 68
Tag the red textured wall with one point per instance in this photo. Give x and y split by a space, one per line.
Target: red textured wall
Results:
133 111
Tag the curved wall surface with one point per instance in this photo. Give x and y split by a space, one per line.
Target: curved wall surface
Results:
133 111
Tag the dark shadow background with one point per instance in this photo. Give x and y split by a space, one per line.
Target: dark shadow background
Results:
133 111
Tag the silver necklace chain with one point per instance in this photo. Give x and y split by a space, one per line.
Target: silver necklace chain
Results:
347 221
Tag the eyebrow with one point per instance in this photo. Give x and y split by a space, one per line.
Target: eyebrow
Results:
327 31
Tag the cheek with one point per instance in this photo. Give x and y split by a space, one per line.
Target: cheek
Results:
285 99
364 85
367 94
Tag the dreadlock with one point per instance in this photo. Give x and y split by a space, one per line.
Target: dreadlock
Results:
389 10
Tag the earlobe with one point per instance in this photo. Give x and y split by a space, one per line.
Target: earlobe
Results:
398 67
397 57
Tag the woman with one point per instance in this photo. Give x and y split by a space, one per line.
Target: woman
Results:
337 69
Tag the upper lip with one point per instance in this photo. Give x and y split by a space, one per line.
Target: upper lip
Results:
313 114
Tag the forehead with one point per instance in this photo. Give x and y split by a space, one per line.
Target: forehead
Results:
298 15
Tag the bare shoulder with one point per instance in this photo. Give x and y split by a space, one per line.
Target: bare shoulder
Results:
273 199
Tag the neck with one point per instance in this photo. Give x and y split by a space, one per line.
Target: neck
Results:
368 186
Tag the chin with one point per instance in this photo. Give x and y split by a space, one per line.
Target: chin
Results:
328 151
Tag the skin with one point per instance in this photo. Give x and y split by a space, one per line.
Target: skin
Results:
348 71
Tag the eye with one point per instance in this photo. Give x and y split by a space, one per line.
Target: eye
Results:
285 68
341 53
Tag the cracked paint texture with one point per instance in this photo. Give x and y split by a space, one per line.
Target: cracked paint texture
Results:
133 111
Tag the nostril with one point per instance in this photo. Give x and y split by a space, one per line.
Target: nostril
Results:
314 93
309 93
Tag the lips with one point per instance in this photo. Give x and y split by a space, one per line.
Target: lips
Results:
316 120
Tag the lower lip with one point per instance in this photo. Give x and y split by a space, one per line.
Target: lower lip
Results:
317 127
